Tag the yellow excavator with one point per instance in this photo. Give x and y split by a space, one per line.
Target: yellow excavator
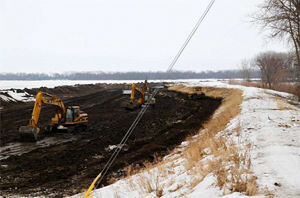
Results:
64 117
144 96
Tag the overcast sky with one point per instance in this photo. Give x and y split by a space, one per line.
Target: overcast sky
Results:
144 35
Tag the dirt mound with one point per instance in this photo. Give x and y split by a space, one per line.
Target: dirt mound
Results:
70 161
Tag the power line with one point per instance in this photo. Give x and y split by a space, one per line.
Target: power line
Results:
144 108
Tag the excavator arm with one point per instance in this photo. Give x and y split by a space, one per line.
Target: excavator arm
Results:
130 106
145 85
140 90
47 99
36 110
60 116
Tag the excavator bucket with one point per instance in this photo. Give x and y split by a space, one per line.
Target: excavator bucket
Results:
132 107
28 133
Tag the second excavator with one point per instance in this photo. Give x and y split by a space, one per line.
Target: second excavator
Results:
143 99
64 118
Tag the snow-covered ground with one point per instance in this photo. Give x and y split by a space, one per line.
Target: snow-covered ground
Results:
267 121
13 95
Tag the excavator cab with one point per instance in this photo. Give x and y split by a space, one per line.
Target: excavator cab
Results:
198 88
196 93
72 113
127 89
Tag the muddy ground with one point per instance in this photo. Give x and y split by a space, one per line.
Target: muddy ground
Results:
65 163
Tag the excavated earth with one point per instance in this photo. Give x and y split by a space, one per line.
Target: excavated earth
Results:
61 163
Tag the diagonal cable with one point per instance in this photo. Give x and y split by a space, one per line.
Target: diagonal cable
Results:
144 108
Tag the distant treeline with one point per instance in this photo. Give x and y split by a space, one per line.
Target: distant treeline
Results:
224 74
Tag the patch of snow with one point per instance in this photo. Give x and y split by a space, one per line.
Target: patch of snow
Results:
185 143
206 188
4 166
281 94
111 147
20 96
7 99
207 151
15 96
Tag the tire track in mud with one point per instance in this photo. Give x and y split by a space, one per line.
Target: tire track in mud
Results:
58 169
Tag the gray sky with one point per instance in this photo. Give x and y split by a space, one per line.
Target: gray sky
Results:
144 35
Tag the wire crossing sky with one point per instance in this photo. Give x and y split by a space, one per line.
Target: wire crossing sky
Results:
144 108
59 36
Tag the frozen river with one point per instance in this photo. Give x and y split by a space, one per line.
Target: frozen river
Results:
21 84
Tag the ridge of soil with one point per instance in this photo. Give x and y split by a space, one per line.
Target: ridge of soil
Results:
69 162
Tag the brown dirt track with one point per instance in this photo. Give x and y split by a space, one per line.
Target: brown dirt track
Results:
74 160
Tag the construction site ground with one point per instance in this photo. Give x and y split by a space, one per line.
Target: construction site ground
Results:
62 163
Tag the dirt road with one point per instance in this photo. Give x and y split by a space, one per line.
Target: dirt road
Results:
64 163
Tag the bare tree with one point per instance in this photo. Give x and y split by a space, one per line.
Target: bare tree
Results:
274 67
245 69
281 18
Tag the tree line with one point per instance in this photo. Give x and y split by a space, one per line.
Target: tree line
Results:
223 74
281 20
274 67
